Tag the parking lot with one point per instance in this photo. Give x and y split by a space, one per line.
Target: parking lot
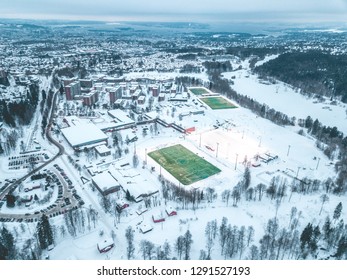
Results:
66 198
26 160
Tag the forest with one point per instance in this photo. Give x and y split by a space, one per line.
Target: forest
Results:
314 72
20 112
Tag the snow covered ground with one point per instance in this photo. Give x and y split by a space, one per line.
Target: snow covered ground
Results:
239 138
285 99
243 134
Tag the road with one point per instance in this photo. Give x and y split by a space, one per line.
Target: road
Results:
14 185
57 209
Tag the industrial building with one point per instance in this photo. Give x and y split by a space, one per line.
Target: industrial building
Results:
81 135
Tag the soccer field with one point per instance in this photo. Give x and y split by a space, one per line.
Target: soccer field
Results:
183 164
217 103
199 91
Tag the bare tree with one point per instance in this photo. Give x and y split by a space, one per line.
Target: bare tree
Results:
250 235
129 235
226 196
223 233
147 249
179 246
241 240
324 198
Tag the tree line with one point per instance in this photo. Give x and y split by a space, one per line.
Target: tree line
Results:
314 71
20 112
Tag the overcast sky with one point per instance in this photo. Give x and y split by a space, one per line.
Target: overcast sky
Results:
182 10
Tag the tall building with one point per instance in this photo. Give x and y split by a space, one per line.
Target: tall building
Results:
155 90
72 90
86 83
68 81
115 93
90 98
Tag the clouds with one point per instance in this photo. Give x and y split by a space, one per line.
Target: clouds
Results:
160 8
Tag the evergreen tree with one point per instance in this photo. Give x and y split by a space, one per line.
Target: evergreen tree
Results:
306 236
44 232
246 178
7 245
3 252
337 211
10 200
129 197
187 244
341 252
1 149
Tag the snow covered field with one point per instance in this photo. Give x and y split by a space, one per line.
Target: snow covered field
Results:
230 139
287 100
243 135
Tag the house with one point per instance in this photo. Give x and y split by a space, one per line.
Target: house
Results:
158 218
170 211
121 204
145 228
105 245
140 211
103 150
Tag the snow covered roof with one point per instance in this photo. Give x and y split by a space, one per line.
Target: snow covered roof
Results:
105 181
102 149
145 228
105 244
83 134
120 117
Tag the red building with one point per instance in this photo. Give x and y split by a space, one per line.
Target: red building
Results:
121 204
171 212
72 89
158 218
115 94
105 246
141 100
90 98
155 90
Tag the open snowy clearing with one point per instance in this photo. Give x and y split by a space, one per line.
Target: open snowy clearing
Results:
287 100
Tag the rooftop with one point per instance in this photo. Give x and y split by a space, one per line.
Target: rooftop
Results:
105 180
83 134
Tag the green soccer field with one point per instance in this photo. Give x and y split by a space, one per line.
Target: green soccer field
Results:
217 103
183 164
199 91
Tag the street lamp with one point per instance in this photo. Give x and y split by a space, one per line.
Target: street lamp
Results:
217 150
317 163
146 155
297 173
237 155
288 150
